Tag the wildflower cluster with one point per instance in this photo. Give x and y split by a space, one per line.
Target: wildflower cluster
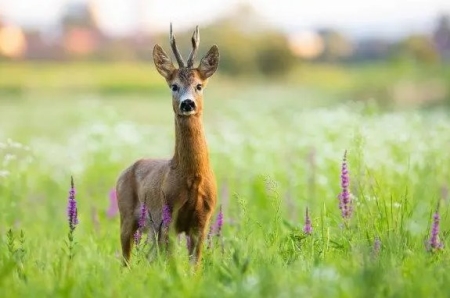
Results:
307 229
345 203
434 243
216 229
166 216
143 214
72 211
72 215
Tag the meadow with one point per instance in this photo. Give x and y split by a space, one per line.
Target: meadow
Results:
277 149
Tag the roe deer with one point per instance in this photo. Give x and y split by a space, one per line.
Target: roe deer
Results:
185 183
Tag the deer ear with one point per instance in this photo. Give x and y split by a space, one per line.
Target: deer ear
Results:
209 63
163 63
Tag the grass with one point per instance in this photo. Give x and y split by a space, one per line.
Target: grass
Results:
276 150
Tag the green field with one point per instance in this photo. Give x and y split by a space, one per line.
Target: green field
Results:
276 147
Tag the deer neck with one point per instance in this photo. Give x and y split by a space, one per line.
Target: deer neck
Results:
191 151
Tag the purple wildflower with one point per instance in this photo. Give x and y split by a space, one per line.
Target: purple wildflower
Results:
376 246
209 237
143 216
307 229
345 203
72 212
141 223
444 192
113 208
166 216
434 243
188 242
219 222
137 237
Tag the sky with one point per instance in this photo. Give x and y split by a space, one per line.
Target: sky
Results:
388 18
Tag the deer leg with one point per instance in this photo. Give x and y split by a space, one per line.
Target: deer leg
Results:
192 243
153 241
196 245
128 226
164 240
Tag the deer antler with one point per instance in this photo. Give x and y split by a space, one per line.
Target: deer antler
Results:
195 43
175 49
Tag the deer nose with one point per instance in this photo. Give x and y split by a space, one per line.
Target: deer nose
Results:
187 105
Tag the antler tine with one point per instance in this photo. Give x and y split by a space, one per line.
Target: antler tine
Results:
173 44
195 43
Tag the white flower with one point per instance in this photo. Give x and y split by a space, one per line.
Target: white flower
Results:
4 173
14 144
396 205
8 157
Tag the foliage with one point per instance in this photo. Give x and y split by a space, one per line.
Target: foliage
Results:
399 83
417 48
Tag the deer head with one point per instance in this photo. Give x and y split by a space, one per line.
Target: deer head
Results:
186 82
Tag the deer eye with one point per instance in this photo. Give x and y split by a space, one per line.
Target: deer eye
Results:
199 87
174 88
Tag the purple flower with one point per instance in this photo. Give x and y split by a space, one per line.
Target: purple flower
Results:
444 193
188 242
137 237
345 203
434 243
143 216
141 223
72 212
219 222
216 229
376 246
307 229
166 216
113 207
209 237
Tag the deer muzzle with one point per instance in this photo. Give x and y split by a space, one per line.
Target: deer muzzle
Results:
187 106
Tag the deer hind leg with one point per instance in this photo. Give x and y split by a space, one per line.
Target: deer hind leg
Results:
128 221
128 227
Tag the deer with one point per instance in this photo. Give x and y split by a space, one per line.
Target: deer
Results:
185 183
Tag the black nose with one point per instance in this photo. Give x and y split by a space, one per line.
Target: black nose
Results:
187 105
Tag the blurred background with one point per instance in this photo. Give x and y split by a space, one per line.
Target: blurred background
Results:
392 52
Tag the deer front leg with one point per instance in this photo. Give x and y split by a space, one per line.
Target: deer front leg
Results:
196 240
153 241
164 240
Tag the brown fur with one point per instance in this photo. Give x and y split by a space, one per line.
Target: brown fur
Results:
186 183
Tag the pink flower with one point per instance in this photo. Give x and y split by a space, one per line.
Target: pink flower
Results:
307 229
113 209
72 210
219 222
345 202
434 243
166 216
376 246
141 224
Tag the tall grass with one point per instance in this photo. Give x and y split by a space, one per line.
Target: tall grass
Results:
275 154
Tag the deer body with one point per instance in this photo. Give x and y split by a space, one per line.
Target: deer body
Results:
185 183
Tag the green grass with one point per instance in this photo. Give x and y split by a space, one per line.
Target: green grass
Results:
276 149
25 78
390 85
